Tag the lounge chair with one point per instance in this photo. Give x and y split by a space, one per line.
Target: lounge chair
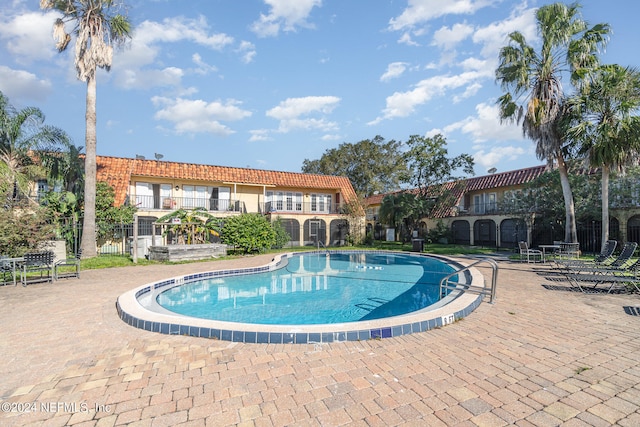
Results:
576 266
529 254
620 276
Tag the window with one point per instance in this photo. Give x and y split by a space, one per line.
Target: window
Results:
43 187
144 195
321 203
289 201
484 203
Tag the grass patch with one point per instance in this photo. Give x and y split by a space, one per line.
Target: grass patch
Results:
111 261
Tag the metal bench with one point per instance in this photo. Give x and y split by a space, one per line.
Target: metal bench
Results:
37 262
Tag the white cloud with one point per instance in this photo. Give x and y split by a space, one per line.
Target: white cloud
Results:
23 85
202 67
421 11
259 135
198 116
494 36
134 65
402 104
247 51
284 15
448 37
29 36
495 155
486 126
394 70
291 113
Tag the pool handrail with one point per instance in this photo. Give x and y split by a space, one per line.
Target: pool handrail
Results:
447 284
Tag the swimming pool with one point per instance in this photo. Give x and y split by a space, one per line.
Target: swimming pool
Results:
386 281
315 289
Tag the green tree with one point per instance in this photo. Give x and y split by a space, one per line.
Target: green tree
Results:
24 140
531 79
429 164
248 232
403 211
67 169
98 26
372 166
603 125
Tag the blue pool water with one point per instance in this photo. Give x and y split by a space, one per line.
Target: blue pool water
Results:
315 289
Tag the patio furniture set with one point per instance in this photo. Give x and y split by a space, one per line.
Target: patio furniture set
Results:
37 266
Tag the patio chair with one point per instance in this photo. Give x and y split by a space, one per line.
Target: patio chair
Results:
37 262
529 254
568 251
73 264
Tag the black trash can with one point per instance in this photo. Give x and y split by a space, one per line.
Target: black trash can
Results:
418 245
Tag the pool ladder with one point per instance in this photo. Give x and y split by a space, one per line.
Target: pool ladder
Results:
447 284
319 242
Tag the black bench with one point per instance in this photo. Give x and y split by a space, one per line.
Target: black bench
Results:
37 262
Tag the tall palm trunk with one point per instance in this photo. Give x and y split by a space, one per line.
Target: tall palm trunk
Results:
570 231
605 204
88 243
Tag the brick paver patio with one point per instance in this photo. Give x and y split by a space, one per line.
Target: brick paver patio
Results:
539 356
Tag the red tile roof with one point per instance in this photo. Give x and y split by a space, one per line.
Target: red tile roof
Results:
457 189
117 171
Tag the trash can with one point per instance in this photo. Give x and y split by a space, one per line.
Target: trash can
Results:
418 245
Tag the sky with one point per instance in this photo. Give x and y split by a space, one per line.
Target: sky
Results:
266 84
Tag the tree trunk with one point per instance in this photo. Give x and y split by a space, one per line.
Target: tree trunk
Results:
88 243
570 232
605 205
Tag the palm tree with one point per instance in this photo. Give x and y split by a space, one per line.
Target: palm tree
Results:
98 26
534 96
24 141
602 124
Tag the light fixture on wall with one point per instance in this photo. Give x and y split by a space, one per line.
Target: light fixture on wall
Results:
177 187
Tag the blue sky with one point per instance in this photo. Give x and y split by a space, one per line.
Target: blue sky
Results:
268 83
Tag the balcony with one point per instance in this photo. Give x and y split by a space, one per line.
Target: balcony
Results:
479 209
173 203
307 208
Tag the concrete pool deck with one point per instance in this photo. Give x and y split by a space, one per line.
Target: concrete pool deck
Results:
540 356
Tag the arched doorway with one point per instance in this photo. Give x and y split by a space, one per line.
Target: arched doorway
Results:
484 233
461 232
315 230
338 230
512 231
292 227
633 229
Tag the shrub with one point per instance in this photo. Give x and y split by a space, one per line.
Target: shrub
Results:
248 233
22 227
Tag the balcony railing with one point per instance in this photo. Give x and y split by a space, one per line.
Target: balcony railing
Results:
480 209
302 208
173 203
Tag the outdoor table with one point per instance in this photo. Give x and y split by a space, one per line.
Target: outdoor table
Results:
544 249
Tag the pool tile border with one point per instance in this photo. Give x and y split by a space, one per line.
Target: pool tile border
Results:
153 322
